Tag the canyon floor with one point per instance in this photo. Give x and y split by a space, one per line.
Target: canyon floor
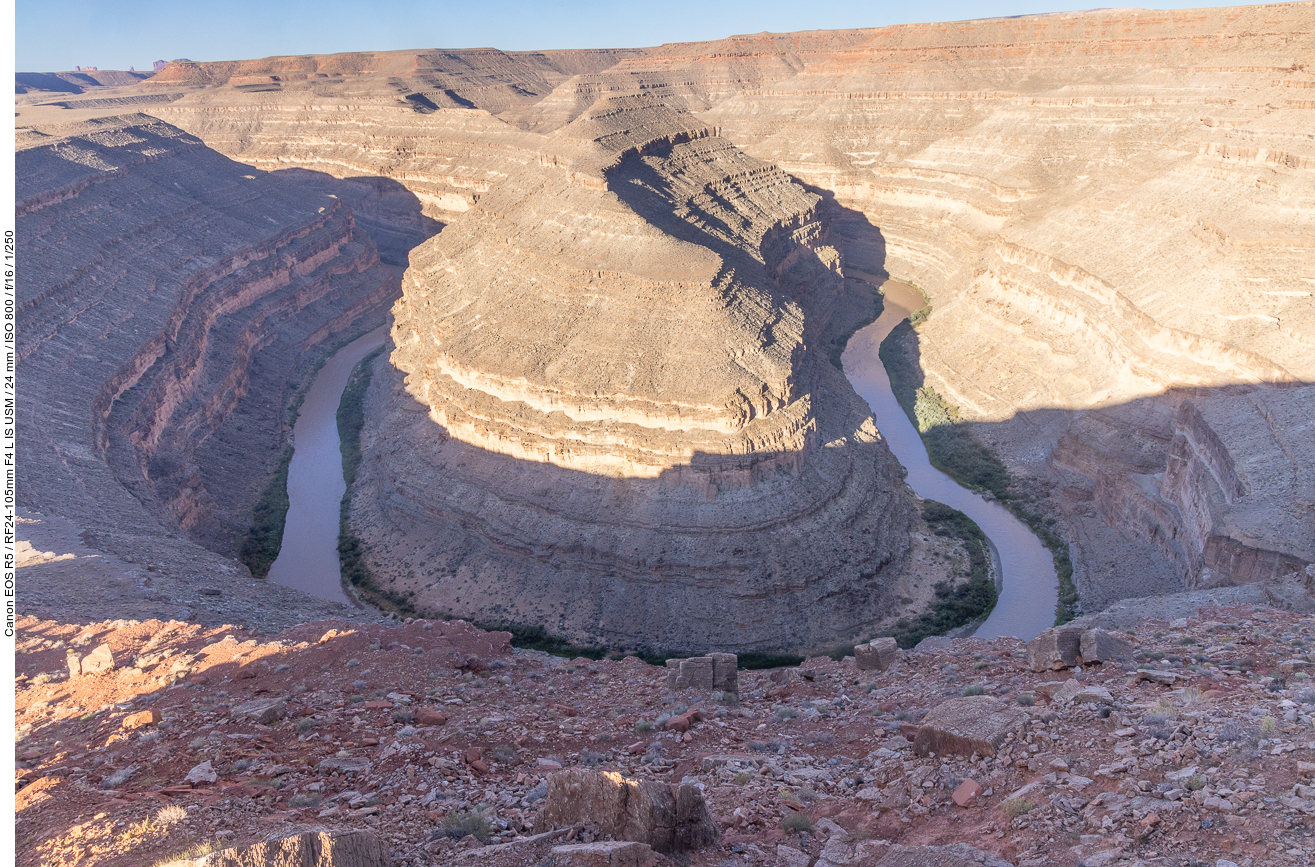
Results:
409 730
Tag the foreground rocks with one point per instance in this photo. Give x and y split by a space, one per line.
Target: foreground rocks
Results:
1211 758
667 818
312 849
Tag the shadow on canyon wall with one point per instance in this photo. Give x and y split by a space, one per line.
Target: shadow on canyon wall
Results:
390 213
1142 490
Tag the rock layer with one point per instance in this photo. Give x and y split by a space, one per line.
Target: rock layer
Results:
171 300
626 434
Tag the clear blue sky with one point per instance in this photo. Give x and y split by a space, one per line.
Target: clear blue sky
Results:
54 35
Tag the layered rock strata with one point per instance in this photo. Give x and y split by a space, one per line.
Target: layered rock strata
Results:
171 302
614 422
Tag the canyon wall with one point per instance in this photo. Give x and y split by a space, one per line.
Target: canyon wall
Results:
172 300
1111 213
606 413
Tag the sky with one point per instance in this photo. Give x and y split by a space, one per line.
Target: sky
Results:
117 34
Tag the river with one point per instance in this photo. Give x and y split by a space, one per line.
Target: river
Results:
308 557
1031 588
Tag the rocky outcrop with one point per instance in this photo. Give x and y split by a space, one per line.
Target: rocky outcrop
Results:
617 427
669 818
172 300
310 849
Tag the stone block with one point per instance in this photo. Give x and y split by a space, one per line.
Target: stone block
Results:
879 654
1097 645
973 724
1055 649
261 710
695 673
99 661
311 849
725 672
612 853
667 818
141 718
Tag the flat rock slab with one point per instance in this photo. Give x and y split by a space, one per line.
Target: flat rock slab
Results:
612 853
973 724
312 849
261 710
842 851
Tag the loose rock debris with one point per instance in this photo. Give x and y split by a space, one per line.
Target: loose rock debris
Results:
443 742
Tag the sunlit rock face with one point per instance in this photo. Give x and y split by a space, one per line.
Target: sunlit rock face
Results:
606 412
613 422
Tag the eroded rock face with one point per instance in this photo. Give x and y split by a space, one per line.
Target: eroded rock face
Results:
666 817
169 296
311 849
609 360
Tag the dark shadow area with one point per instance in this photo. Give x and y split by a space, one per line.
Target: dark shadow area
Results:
388 212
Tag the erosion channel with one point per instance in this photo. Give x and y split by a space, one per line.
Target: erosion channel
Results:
1030 587
308 558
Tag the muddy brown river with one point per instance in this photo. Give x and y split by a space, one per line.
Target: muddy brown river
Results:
308 559
1031 588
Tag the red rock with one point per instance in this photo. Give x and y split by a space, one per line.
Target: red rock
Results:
967 793
378 705
141 718
636 748
683 722
369 742
198 680
244 673
909 731
473 754
479 766
428 716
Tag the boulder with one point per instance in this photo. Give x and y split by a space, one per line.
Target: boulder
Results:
1097 645
612 853
310 849
428 716
99 661
202 773
967 793
844 851
973 724
667 818
141 718
876 655
1060 647
344 764
262 710
1075 691
716 671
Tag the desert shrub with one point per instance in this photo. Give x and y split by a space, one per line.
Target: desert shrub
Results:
1017 807
798 822
466 823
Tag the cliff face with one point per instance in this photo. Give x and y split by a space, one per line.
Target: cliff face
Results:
609 349
626 435
171 300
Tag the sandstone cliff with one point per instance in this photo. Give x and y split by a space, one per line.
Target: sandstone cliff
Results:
1109 210
172 300
615 422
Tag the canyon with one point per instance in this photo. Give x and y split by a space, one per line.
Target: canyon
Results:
609 409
